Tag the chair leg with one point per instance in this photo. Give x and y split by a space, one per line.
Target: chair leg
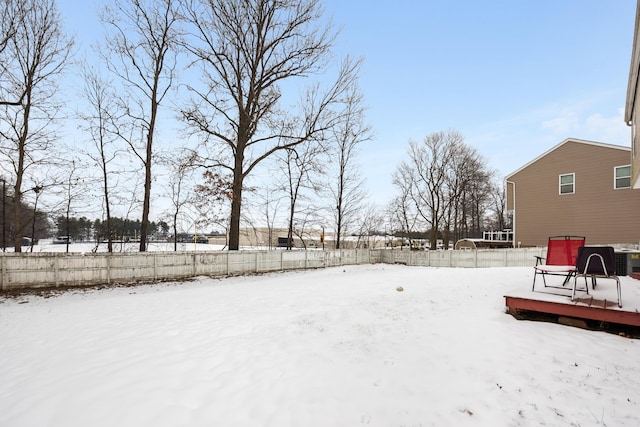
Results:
573 290
535 274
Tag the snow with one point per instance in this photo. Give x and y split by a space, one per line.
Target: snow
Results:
334 347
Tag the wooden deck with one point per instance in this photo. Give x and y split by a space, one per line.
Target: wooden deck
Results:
597 310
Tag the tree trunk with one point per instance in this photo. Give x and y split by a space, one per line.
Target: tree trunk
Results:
234 226
144 229
109 231
145 207
175 231
236 202
339 209
19 224
107 206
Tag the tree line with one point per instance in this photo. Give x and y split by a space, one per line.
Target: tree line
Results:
38 220
42 226
445 187
257 104
87 230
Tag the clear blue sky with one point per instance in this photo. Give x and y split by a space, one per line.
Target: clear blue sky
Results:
514 77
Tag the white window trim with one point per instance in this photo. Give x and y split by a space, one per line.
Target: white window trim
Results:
560 183
615 177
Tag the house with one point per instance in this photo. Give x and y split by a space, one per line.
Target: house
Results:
632 107
578 188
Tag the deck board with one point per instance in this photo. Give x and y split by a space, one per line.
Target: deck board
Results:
597 310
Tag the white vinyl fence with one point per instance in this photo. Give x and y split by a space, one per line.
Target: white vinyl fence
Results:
34 270
465 258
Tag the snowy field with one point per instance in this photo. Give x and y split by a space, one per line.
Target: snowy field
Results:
335 347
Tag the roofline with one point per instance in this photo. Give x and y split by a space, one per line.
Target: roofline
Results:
579 141
634 70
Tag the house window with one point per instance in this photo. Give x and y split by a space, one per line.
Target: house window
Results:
567 183
622 176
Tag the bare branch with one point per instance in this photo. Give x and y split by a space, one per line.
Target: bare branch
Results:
246 50
34 54
141 49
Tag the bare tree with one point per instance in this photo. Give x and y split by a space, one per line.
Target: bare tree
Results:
8 24
37 189
271 204
247 51
304 221
141 50
101 121
467 184
446 182
35 57
72 192
300 164
12 13
427 167
369 223
403 215
212 199
181 167
348 133
498 206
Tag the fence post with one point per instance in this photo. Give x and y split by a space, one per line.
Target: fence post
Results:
4 268
107 263
155 267
56 270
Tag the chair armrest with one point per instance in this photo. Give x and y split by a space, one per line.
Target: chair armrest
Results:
539 259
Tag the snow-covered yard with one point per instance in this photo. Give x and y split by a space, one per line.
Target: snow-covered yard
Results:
335 347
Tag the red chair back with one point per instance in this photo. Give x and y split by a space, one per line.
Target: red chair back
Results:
563 250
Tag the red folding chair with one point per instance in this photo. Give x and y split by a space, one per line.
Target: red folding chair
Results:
562 252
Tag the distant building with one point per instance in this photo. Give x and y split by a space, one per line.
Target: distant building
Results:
264 237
